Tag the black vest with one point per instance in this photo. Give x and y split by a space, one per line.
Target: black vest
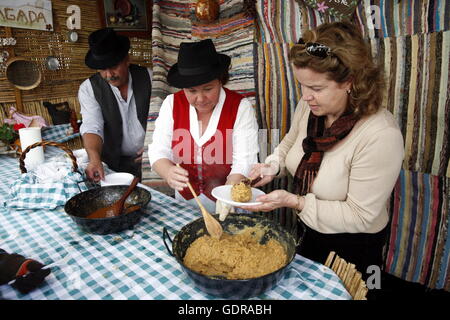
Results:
112 131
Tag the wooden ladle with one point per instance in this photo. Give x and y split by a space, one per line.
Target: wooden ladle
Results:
213 226
117 207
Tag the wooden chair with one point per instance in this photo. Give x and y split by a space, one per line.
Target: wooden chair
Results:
347 272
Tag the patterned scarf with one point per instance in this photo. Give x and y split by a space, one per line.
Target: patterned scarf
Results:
316 143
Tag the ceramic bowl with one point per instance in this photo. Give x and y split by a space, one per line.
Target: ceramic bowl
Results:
117 178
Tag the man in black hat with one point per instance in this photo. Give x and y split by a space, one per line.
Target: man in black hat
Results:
209 130
114 106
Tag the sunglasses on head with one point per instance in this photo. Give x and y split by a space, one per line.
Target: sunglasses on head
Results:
315 49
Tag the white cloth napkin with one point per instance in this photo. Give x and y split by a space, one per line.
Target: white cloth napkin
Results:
58 167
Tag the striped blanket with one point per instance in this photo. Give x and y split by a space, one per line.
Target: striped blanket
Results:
419 246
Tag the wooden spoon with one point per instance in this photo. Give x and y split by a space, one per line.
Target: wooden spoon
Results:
117 207
212 225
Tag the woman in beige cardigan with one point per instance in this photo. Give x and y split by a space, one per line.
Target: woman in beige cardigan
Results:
344 149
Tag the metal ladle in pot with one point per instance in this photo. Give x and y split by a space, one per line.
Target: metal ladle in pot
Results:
213 226
117 207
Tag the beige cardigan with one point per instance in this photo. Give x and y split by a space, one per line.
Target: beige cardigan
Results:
356 176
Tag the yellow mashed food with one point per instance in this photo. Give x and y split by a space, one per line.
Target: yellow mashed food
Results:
238 256
241 192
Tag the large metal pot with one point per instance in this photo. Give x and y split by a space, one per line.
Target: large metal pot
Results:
84 203
219 286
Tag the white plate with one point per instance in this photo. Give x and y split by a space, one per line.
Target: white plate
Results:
117 178
223 193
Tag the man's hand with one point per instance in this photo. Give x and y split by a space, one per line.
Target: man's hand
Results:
93 144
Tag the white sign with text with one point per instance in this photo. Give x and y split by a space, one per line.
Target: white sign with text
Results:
27 14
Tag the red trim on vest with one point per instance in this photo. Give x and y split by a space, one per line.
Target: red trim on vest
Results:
216 165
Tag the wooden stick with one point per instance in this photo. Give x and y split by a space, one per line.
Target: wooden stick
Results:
213 226
355 283
351 278
357 294
341 268
349 275
361 292
330 258
335 264
345 272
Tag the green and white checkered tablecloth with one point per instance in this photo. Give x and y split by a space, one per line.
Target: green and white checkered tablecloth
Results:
130 265
59 133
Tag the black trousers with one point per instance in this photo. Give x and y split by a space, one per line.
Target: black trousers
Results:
361 249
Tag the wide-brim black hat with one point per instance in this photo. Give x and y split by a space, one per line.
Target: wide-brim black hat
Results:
198 63
107 49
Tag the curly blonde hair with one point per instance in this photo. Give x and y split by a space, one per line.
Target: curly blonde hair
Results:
350 59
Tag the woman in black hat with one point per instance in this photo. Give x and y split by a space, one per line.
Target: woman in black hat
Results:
209 130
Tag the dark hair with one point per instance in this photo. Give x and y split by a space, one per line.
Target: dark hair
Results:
349 58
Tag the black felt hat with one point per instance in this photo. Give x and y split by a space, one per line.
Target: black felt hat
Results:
107 49
198 63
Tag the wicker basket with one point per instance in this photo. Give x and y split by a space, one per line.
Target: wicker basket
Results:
47 143
22 73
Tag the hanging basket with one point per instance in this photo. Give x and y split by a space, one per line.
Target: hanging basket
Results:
22 73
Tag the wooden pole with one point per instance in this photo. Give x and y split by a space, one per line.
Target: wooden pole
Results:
17 92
